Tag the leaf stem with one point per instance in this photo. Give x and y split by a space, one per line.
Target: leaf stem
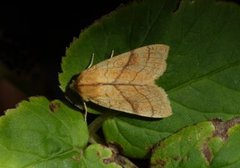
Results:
95 126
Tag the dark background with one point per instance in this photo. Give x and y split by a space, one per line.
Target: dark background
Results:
33 39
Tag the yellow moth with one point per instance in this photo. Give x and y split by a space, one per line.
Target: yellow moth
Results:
127 82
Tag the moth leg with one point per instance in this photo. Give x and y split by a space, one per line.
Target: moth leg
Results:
112 53
85 111
91 61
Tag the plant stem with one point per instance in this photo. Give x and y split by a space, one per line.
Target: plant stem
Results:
95 126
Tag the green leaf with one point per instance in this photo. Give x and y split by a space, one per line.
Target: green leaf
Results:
207 144
40 133
229 153
202 77
99 156
121 31
203 73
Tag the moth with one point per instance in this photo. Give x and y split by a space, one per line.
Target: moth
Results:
126 82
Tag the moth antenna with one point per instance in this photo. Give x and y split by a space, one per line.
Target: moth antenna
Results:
85 110
91 61
79 107
112 53
76 105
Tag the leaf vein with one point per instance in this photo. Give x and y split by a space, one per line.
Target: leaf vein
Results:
207 75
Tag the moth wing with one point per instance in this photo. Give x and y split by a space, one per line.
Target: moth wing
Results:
148 101
140 66
126 82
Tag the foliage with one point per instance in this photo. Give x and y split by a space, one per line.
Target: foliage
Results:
202 81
